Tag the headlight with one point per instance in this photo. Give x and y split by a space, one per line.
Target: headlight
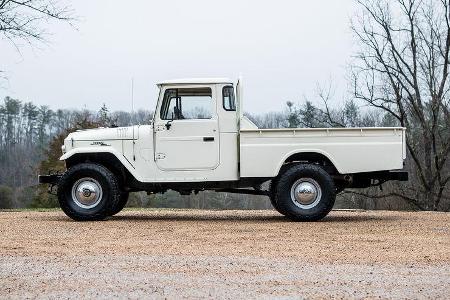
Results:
63 149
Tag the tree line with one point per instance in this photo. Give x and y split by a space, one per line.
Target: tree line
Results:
31 136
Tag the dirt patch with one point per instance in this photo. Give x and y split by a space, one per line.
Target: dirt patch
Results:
225 254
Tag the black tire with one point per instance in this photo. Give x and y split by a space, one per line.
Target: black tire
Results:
121 204
106 197
316 180
272 191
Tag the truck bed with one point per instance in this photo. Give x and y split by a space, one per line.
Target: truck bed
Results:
351 150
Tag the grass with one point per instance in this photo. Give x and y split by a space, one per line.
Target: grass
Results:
29 209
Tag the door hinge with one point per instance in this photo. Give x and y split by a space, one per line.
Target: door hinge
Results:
160 128
160 156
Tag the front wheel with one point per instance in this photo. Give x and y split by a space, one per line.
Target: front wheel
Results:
305 193
88 192
121 204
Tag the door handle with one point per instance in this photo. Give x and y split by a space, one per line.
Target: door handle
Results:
208 139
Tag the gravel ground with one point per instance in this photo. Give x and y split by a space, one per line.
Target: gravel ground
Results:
225 254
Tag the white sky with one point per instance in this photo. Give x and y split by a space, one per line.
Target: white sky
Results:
282 48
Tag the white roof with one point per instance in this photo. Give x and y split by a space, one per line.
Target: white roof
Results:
196 81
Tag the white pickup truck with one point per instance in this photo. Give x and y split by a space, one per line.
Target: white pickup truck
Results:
199 140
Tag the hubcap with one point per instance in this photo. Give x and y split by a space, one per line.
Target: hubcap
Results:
306 193
87 193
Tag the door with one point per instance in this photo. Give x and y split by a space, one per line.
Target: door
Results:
187 130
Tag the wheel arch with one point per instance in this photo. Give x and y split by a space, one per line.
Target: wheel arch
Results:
118 166
308 156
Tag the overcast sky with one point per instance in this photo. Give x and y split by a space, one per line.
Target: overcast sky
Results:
282 48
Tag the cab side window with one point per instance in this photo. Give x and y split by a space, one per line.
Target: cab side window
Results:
229 102
185 104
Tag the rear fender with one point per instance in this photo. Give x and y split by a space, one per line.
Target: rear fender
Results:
297 152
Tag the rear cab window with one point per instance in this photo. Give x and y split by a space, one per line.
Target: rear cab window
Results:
229 102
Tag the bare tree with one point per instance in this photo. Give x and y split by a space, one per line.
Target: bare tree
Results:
402 68
23 19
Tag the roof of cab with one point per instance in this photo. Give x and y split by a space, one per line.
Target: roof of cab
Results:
196 81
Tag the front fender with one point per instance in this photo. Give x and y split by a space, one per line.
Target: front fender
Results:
103 149
97 149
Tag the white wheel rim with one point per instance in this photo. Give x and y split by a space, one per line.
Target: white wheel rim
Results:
87 193
306 193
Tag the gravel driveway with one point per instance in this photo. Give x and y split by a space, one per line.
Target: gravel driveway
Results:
225 254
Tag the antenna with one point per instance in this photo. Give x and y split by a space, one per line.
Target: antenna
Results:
133 119
132 102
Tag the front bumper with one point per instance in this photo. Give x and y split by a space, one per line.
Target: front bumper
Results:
49 179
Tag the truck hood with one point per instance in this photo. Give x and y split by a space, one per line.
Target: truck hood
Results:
105 134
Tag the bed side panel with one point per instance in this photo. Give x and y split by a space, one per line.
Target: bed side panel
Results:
262 152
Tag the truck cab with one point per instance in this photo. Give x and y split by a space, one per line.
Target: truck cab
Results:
195 131
200 140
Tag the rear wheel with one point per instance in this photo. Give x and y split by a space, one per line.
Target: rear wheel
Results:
272 193
88 192
305 193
